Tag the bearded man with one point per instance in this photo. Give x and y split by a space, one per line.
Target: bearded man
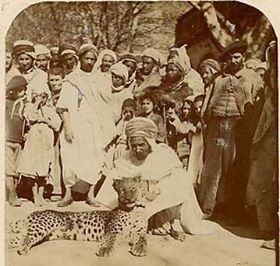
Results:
234 92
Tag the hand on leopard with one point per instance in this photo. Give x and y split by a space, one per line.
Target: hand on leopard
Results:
151 195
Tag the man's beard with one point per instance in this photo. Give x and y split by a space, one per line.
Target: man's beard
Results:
232 68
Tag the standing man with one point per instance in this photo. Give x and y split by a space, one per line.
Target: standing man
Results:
85 133
233 92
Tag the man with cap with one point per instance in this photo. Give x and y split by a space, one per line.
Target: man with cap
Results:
169 188
42 57
148 75
88 127
24 54
87 55
233 92
68 57
14 125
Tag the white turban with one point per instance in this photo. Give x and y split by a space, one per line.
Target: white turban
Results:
154 54
121 70
42 50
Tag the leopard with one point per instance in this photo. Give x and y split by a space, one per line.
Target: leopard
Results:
128 221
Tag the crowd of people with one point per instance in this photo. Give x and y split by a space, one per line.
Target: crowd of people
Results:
205 140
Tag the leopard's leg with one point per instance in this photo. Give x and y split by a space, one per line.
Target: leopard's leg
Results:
139 244
37 229
107 245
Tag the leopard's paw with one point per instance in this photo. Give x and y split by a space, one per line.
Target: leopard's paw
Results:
139 249
104 251
23 251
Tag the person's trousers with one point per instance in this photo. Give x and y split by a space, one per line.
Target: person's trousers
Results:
219 154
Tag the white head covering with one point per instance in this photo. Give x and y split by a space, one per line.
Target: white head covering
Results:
154 54
42 49
120 69
102 54
182 59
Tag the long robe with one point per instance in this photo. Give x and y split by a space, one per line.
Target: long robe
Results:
38 153
92 126
164 172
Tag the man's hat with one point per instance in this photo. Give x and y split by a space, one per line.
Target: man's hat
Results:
236 46
67 48
128 57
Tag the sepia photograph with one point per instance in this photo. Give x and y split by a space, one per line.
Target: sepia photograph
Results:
140 133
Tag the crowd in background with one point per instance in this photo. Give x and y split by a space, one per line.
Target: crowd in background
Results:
67 111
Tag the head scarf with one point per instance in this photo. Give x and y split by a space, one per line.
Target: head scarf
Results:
182 58
88 47
121 70
42 50
213 64
102 54
24 47
154 54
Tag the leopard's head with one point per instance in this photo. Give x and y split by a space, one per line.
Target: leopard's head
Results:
131 192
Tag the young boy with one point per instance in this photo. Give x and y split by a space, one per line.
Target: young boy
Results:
147 104
14 124
128 112
196 138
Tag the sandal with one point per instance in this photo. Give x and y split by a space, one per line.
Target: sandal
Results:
93 203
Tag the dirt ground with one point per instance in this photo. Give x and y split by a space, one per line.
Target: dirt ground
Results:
224 246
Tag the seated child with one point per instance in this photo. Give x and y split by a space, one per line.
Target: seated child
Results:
38 152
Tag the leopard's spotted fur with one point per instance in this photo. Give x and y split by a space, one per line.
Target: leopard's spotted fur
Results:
105 226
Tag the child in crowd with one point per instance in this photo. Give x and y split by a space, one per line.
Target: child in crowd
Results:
15 103
38 152
196 139
128 112
183 127
55 78
147 105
